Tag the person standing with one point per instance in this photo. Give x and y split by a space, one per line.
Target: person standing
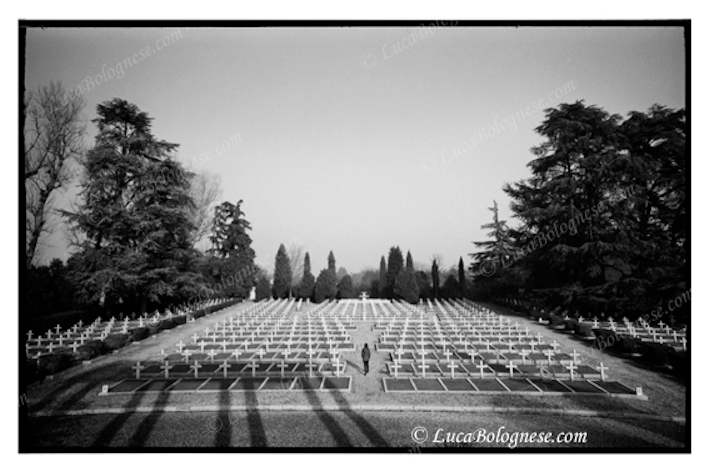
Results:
365 358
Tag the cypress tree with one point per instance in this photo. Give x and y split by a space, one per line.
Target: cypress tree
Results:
282 276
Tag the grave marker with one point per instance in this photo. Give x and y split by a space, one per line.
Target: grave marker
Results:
138 367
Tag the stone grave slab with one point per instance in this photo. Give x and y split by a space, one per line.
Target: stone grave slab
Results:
248 383
519 385
550 385
337 383
614 387
187 385
458 385
216 385
488 385
582 386
428 385
127 386
398 385
308 383
157 385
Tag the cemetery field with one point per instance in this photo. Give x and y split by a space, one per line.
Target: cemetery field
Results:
276 373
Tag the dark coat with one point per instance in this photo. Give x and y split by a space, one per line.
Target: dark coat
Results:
365 354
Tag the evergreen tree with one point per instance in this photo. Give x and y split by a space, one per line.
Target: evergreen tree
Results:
325 286
394 266
498 252
604 212
345 288
409 261
423 284
381 284
282 276
307 284
435 280
405 286
231 264
461 278
331 262
450 287
263 288
134 218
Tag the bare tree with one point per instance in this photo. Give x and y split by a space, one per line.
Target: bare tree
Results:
205 190
296 256
53 138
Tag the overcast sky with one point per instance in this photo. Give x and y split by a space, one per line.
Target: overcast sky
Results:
357 139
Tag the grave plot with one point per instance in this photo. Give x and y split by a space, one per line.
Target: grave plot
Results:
476 351
112 333
262 348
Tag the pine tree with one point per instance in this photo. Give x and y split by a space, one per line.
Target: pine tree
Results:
461 278
435 280
134 216
499 252
232 258
307 284
282 276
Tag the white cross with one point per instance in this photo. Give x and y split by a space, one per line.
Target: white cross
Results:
533 344
202 344
195 338
603 369
211 354
166 367
252 365
58 328
283 367
310 366
137 369
225 367
337 365
395 367
187 354
511 368
452 366
196 367
481 366
29 335
180 345
575 355
423 368
571 368
549 354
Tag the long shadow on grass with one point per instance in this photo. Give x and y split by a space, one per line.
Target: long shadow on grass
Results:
253 418
223 436
338 434
146 426
365 426
109 431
